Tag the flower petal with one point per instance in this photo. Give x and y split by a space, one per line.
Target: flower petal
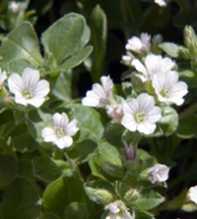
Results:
72 128
146 128
42 88
30 78
49 135
15 84
36 101
60 120
129 123
64 142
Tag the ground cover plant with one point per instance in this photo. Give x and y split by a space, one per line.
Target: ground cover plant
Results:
98 109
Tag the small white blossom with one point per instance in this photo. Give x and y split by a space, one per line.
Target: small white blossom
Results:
139 44
192 194
15 7
169 89
141 114
3 77
115 111
118 210
153 65
28 89
61 131
128 58
161 3
158 173
100 94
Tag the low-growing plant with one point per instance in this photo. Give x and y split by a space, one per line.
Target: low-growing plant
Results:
112 153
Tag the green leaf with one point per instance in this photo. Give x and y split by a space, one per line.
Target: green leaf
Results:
143 215
8 169
89 122
170 49
61 192
45 169
21 43
66 37
98 23
63 87
106 161
82 151
22 140
148 200
20 200
77 58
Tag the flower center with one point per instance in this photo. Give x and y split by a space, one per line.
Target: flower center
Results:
139 117
59 132
27 94
164 92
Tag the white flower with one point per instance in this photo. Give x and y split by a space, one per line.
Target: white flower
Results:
141 114
61 131
28 89
153 65
128 58
118 210
3 77
161 3
100 94
169 89
139 44
15 7
192 194
115 111
158 173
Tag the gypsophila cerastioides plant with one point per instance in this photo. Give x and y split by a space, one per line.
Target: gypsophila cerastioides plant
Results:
76 141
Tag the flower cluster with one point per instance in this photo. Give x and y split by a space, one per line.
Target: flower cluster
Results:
138 46
138 114
28 89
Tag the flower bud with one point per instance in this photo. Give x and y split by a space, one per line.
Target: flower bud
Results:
158 173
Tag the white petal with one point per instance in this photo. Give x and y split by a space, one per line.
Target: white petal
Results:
154 115
36 101
180 89
129 123
134 44
146 102
15 84
139 66
153 64
30 77
72 128
91 99
42 88
99 91
107 83
64 142
21 100
146 128
60 120
49 135
161 3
